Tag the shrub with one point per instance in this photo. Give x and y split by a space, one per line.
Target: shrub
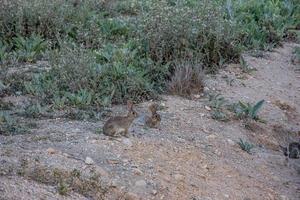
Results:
262 24
177 31
84 78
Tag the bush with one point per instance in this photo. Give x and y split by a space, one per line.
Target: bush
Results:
98 56
262 24
177 31
84 78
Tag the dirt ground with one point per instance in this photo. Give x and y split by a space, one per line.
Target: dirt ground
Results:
190 156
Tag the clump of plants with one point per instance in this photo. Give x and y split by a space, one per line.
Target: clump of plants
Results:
246 146
10 126
187 79
177 30
247 110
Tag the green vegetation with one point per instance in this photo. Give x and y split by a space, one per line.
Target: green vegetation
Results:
246 146
10 126
102 53
246 110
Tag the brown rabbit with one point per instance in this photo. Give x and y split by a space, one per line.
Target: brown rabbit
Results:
119 125
154 120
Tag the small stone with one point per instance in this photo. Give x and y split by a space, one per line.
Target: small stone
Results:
197 96
131 196
207 108
93 141
178 177
89 161
154 192
230 142
127 142
114 183
211 136
113 161
140 183
283 197
51 151
137 172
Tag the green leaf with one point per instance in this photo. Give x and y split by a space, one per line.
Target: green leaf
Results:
256 108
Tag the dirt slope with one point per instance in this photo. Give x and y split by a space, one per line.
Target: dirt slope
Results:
191 156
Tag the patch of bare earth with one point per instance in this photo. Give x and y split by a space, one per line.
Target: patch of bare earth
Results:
191 156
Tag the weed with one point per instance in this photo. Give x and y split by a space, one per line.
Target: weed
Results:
10 126
3 52
243 110
29 49
219 115
187 79
216 101
296 58
34 110
62 188
244 65
246 146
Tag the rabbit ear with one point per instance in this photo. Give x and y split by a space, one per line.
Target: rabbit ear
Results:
129 105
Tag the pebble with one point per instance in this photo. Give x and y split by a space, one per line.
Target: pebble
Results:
197 96
114 183
131 196
207 108
178 177
137 172
230 142
127 142
282 197
140 183
154 192
113 162
51 151
211 136
89 161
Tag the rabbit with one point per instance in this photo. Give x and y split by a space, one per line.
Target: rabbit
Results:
119 125
154 120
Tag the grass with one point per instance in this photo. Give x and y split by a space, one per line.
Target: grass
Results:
110 52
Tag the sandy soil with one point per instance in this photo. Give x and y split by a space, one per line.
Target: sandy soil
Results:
190 156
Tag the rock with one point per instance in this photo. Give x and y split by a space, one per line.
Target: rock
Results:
211 136
197 96
51 151
114 183
207 108
179 177
140 183
283 197
137 172
230 142
127 142
154 192
131 196
113 161
89 161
